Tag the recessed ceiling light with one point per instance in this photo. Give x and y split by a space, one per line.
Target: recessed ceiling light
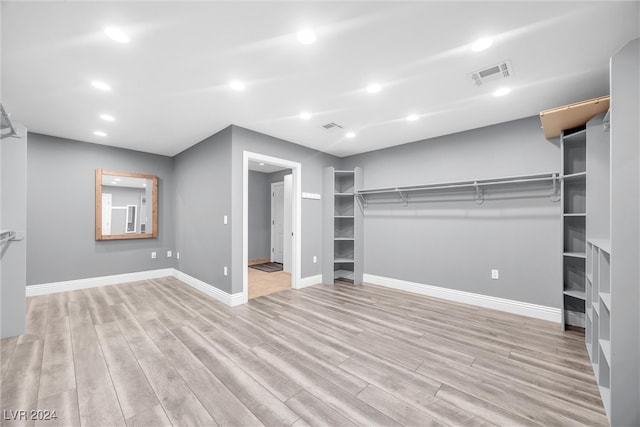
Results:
502 91
305 115
412 117
99 133
117 179
481 44
350 135
306 36
107 117
261 164
374 88
236 85
100 85
116 35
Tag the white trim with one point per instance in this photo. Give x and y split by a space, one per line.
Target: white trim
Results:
94 282
296 169
510 306
116 279
309 281
210 290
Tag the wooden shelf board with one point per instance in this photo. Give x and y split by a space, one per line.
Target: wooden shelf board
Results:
555 120
342 260
588 313
575 215
590 278
605 297
344 216
343 238
342 274
344 194
575 254
596 307
575 294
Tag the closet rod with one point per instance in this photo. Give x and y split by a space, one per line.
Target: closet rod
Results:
6 123
465 184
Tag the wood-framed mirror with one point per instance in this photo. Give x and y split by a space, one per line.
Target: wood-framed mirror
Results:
126 205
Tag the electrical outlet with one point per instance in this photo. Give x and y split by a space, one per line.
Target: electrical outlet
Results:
154 255
225 220
169 254
226 273
177 255
315 259
495 274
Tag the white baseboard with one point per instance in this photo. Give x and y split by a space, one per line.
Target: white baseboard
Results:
309 281
510 306
94 282
210 290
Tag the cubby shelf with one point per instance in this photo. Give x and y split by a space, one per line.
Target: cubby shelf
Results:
573 185
342 218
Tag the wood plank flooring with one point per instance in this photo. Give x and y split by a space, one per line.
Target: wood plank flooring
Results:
261 283
158 352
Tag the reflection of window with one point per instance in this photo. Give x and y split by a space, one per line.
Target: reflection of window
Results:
130 224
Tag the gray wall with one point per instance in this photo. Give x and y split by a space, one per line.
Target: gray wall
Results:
260 211
455 244
259 215
13 216
61 211
313 162
203 198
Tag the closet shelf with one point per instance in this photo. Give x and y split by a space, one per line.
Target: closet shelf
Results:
5 123
603 244
577 175
477 186
575 294
575 254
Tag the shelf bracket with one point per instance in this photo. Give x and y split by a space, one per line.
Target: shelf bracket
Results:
555 197
404 196
363 200
479 194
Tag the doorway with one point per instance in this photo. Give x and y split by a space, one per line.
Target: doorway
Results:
271 224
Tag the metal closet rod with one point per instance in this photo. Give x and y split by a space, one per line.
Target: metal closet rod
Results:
5 120
518 179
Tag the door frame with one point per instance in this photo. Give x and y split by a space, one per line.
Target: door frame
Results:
273 237
296 205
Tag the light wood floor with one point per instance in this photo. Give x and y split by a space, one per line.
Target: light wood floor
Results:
158 353
261 283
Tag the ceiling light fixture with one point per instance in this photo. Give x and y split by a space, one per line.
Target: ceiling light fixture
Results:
261 164
99 133
305 115
374 88
306 36
481 44
107 117
502 91
350 135
412 117
116 35
100 85
236 85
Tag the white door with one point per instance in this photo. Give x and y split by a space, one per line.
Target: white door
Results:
106 213
288 223
277 222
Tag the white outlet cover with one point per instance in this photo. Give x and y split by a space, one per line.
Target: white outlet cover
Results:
495 274
154 255
169 254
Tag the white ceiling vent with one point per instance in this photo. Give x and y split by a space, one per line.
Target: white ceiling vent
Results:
331 125
499 71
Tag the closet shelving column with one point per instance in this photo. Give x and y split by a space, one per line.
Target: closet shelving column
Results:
573 149
342 242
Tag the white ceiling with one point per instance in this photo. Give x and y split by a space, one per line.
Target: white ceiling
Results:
170 83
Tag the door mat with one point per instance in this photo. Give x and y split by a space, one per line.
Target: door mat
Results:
268 267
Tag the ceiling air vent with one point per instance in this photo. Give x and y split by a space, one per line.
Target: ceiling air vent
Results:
494 72
331 125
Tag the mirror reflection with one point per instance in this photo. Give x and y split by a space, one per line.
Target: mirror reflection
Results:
125 205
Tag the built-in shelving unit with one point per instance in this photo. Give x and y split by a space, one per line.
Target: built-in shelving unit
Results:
342 221
574 173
